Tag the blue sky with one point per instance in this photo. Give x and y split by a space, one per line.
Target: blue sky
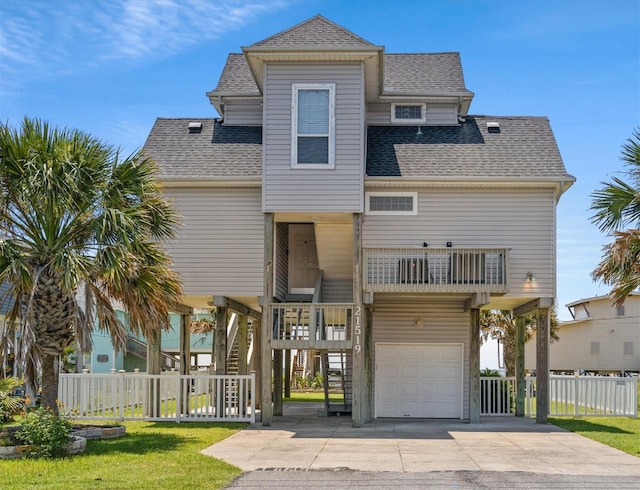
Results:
111 67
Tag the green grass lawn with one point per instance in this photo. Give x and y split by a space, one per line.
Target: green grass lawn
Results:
313 396
152 455
620 432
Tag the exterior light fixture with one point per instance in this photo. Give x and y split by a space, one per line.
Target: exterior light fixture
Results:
530 277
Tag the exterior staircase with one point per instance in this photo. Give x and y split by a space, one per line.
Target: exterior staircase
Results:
338 379
138 348
232 345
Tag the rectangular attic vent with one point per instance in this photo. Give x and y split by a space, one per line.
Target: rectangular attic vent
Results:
195 127
493 127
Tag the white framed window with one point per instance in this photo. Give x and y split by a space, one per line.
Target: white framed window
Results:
620 310
409 113
396 203
313 125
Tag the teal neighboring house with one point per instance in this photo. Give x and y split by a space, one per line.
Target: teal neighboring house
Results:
103 358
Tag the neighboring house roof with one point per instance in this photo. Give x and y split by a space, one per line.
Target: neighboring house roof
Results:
216 151
595 298
6 301
523 148
314 33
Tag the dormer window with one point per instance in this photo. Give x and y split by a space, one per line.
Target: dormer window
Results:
408 113
313 125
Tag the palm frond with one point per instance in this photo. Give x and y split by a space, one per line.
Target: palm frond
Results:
620 266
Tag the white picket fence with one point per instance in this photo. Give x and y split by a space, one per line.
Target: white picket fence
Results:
593 396
573 396
168 397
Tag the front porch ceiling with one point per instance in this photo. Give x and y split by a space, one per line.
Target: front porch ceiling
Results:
313 217
206 302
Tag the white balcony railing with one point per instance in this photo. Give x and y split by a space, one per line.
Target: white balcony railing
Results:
319 325
444 270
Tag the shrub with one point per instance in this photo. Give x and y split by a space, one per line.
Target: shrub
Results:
47 431
9 405
317 381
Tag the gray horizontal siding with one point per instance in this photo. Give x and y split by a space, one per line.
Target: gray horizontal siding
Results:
243 113
219 247
337 291
299 189
443 322
520 219
437 115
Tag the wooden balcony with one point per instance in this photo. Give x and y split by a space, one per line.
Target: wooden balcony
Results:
436 270
312 325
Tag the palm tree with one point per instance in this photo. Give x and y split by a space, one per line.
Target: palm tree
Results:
617 206
502 324
79 228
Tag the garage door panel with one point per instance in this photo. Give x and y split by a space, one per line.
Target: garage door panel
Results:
419 380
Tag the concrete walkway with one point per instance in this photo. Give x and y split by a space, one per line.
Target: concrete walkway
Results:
303 441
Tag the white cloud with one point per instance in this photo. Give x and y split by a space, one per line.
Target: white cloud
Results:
59 37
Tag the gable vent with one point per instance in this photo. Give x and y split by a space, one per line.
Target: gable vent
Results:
195 127
493 127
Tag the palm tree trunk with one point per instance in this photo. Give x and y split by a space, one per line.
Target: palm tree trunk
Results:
50 380
509 354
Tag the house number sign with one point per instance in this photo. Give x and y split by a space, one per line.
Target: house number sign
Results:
357 331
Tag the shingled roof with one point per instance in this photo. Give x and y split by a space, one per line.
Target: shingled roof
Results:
216 152
523 147
313 33
415 73
236 77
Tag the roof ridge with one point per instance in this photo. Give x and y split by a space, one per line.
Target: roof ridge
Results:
194 118
507 117
423 53
316 17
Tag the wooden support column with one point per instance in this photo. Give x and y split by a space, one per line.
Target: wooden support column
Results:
185 362
154 341
256 362
220 341
542 366
185 344
359 401
267 324
287 373
520 386
242 340
368 363
277 382
474 367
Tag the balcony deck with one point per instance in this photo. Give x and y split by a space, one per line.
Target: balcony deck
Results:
312 325
436 270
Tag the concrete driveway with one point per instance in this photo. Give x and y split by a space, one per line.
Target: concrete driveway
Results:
300 440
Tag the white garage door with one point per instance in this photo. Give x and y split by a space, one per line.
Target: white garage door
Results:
419 380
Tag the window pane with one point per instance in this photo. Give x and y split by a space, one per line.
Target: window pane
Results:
313 149
313 112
